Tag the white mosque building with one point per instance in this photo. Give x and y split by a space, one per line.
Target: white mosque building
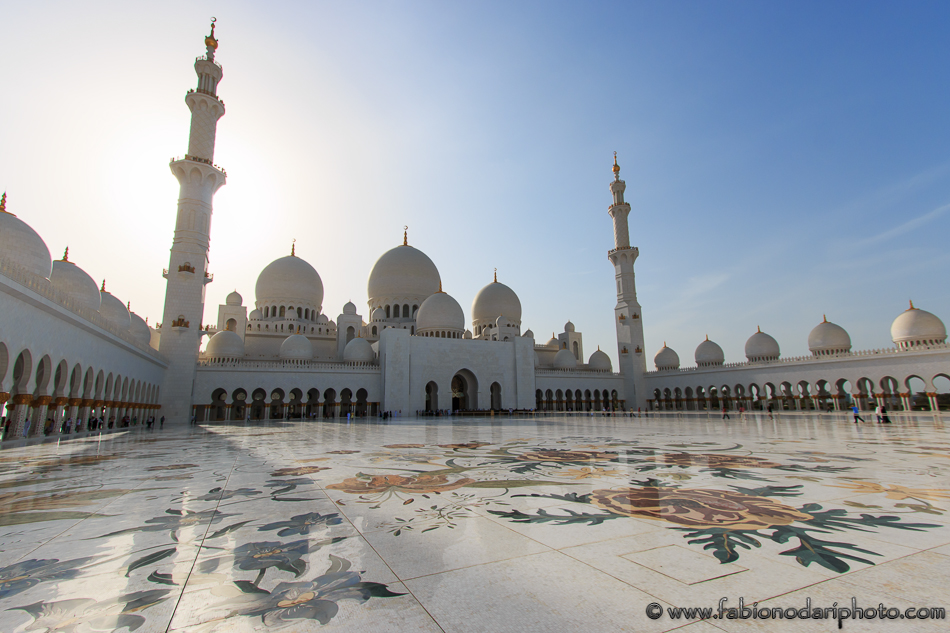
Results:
69 349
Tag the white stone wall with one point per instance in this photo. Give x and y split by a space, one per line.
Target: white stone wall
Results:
82 360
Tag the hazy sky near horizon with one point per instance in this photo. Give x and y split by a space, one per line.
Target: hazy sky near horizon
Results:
783 160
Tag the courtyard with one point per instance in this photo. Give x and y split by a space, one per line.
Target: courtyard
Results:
481 524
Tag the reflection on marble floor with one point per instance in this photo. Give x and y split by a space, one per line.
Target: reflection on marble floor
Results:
472 525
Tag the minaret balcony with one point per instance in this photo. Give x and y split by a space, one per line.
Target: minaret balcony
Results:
204 58
209 277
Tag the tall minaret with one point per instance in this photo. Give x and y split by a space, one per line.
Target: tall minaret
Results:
187 272
627 315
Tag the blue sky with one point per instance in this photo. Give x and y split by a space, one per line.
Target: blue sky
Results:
784 160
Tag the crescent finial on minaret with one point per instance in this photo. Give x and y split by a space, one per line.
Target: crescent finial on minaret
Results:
210 41
616 167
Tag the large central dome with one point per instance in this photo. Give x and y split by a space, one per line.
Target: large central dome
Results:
290 280
402 273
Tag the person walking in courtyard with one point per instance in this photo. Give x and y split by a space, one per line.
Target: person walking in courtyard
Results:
725 413
884 418
769 410
854 410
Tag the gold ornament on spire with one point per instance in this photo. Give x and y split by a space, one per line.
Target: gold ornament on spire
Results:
3 204
405 235
911 305
293 248
440 288
616 167
758 328
496 276
66 255
103 289
210 41
824 318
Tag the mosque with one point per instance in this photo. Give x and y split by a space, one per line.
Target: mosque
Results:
70 349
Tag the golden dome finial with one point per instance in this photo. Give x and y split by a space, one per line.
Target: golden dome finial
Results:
911 305
496 276
405 235
824 318
293 248
103 289
210 41
758 329
3 202
66 255
616 167
707 337
664 343
440 287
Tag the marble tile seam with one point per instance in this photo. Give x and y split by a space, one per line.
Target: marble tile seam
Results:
184 584
474 565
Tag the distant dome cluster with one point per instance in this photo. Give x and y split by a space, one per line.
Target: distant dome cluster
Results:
913 328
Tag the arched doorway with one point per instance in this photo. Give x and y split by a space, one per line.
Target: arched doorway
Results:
432 396
329 403
361 396
238 405
464 391
495 396
346 401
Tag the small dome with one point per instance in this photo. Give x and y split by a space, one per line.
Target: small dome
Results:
115 311
761 347
564 360
296 347
72 281
359 350
666 358
255 315
915 327
234 299
599 360
553 343
22 246
289 280
378 315
403 273
528 334
140 329
709 354
323 320
568 327
828 338
225 344
495 300
440 312
349 308
467 334
155 338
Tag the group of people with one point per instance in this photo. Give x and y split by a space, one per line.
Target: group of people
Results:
880 411
67 427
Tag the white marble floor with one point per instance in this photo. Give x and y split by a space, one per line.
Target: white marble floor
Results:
504 524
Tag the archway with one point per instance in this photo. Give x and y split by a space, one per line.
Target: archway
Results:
464 391
432 396
238 404
218 404
496 396
257 404
361 395
329 403
346 397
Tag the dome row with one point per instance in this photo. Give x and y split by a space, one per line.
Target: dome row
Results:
22 246
912 328
228 345
402 275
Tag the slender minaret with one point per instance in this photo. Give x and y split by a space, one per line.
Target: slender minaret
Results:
187 272
627 316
